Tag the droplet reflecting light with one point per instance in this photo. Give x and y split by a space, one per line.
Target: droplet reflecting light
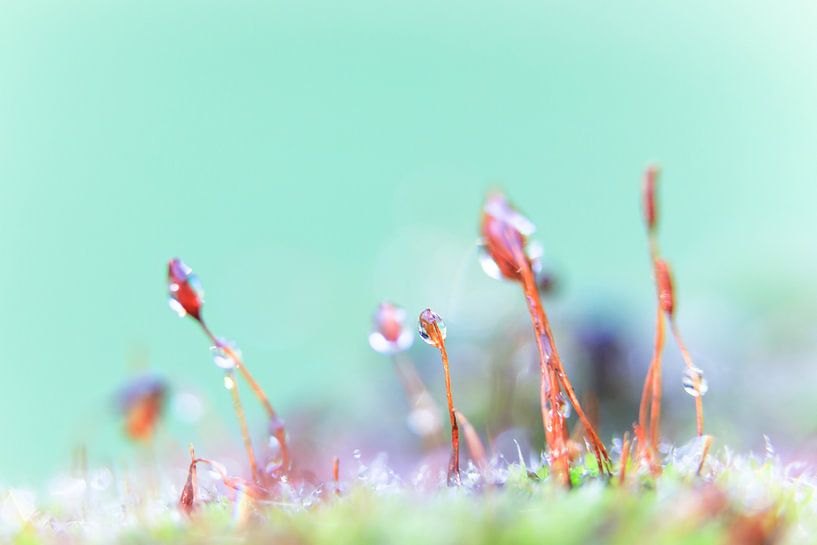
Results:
225 354
185 289
428 325
694 382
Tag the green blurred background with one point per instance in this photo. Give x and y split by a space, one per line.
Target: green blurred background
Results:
308 159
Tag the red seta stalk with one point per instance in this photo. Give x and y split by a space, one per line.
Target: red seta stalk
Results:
187 501
651 395
187 299
432 330
625 456
649 414
391 336
474 443
336 474
696 378
504 233
276 426
232 387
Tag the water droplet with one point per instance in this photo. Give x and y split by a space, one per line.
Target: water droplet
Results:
389 332
356 454
519 454
276 425
694 382
565 408
767 443
176 307
273 467
229 382
225 354
488 264
429 325
535 251
275 459
542 269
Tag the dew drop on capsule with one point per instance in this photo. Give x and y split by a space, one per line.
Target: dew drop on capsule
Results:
229 383
488 264
176 307
691 377
185 289
428 318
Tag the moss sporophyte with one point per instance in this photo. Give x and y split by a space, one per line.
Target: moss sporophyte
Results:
508 254
306 492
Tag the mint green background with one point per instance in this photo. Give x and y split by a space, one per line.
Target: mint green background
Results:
310 158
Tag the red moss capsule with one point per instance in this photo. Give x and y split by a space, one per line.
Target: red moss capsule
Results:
504 235
389 331
141 402
648 194
187 501
184 287
663 280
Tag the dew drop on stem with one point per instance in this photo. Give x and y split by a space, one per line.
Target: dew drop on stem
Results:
694 382
225 353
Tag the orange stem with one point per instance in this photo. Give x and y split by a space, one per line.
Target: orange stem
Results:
418 395
643 411
704 453
655 410
699 409
336 474
625 455
549 357
474 443
454 462
279 432
245 434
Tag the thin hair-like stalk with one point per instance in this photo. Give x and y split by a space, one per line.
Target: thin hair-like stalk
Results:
187 299
474 443
551 366
649 414
696 377
229 383
277 427
336 474
454 462
432 330
419 398
505 233
625 455
704 453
